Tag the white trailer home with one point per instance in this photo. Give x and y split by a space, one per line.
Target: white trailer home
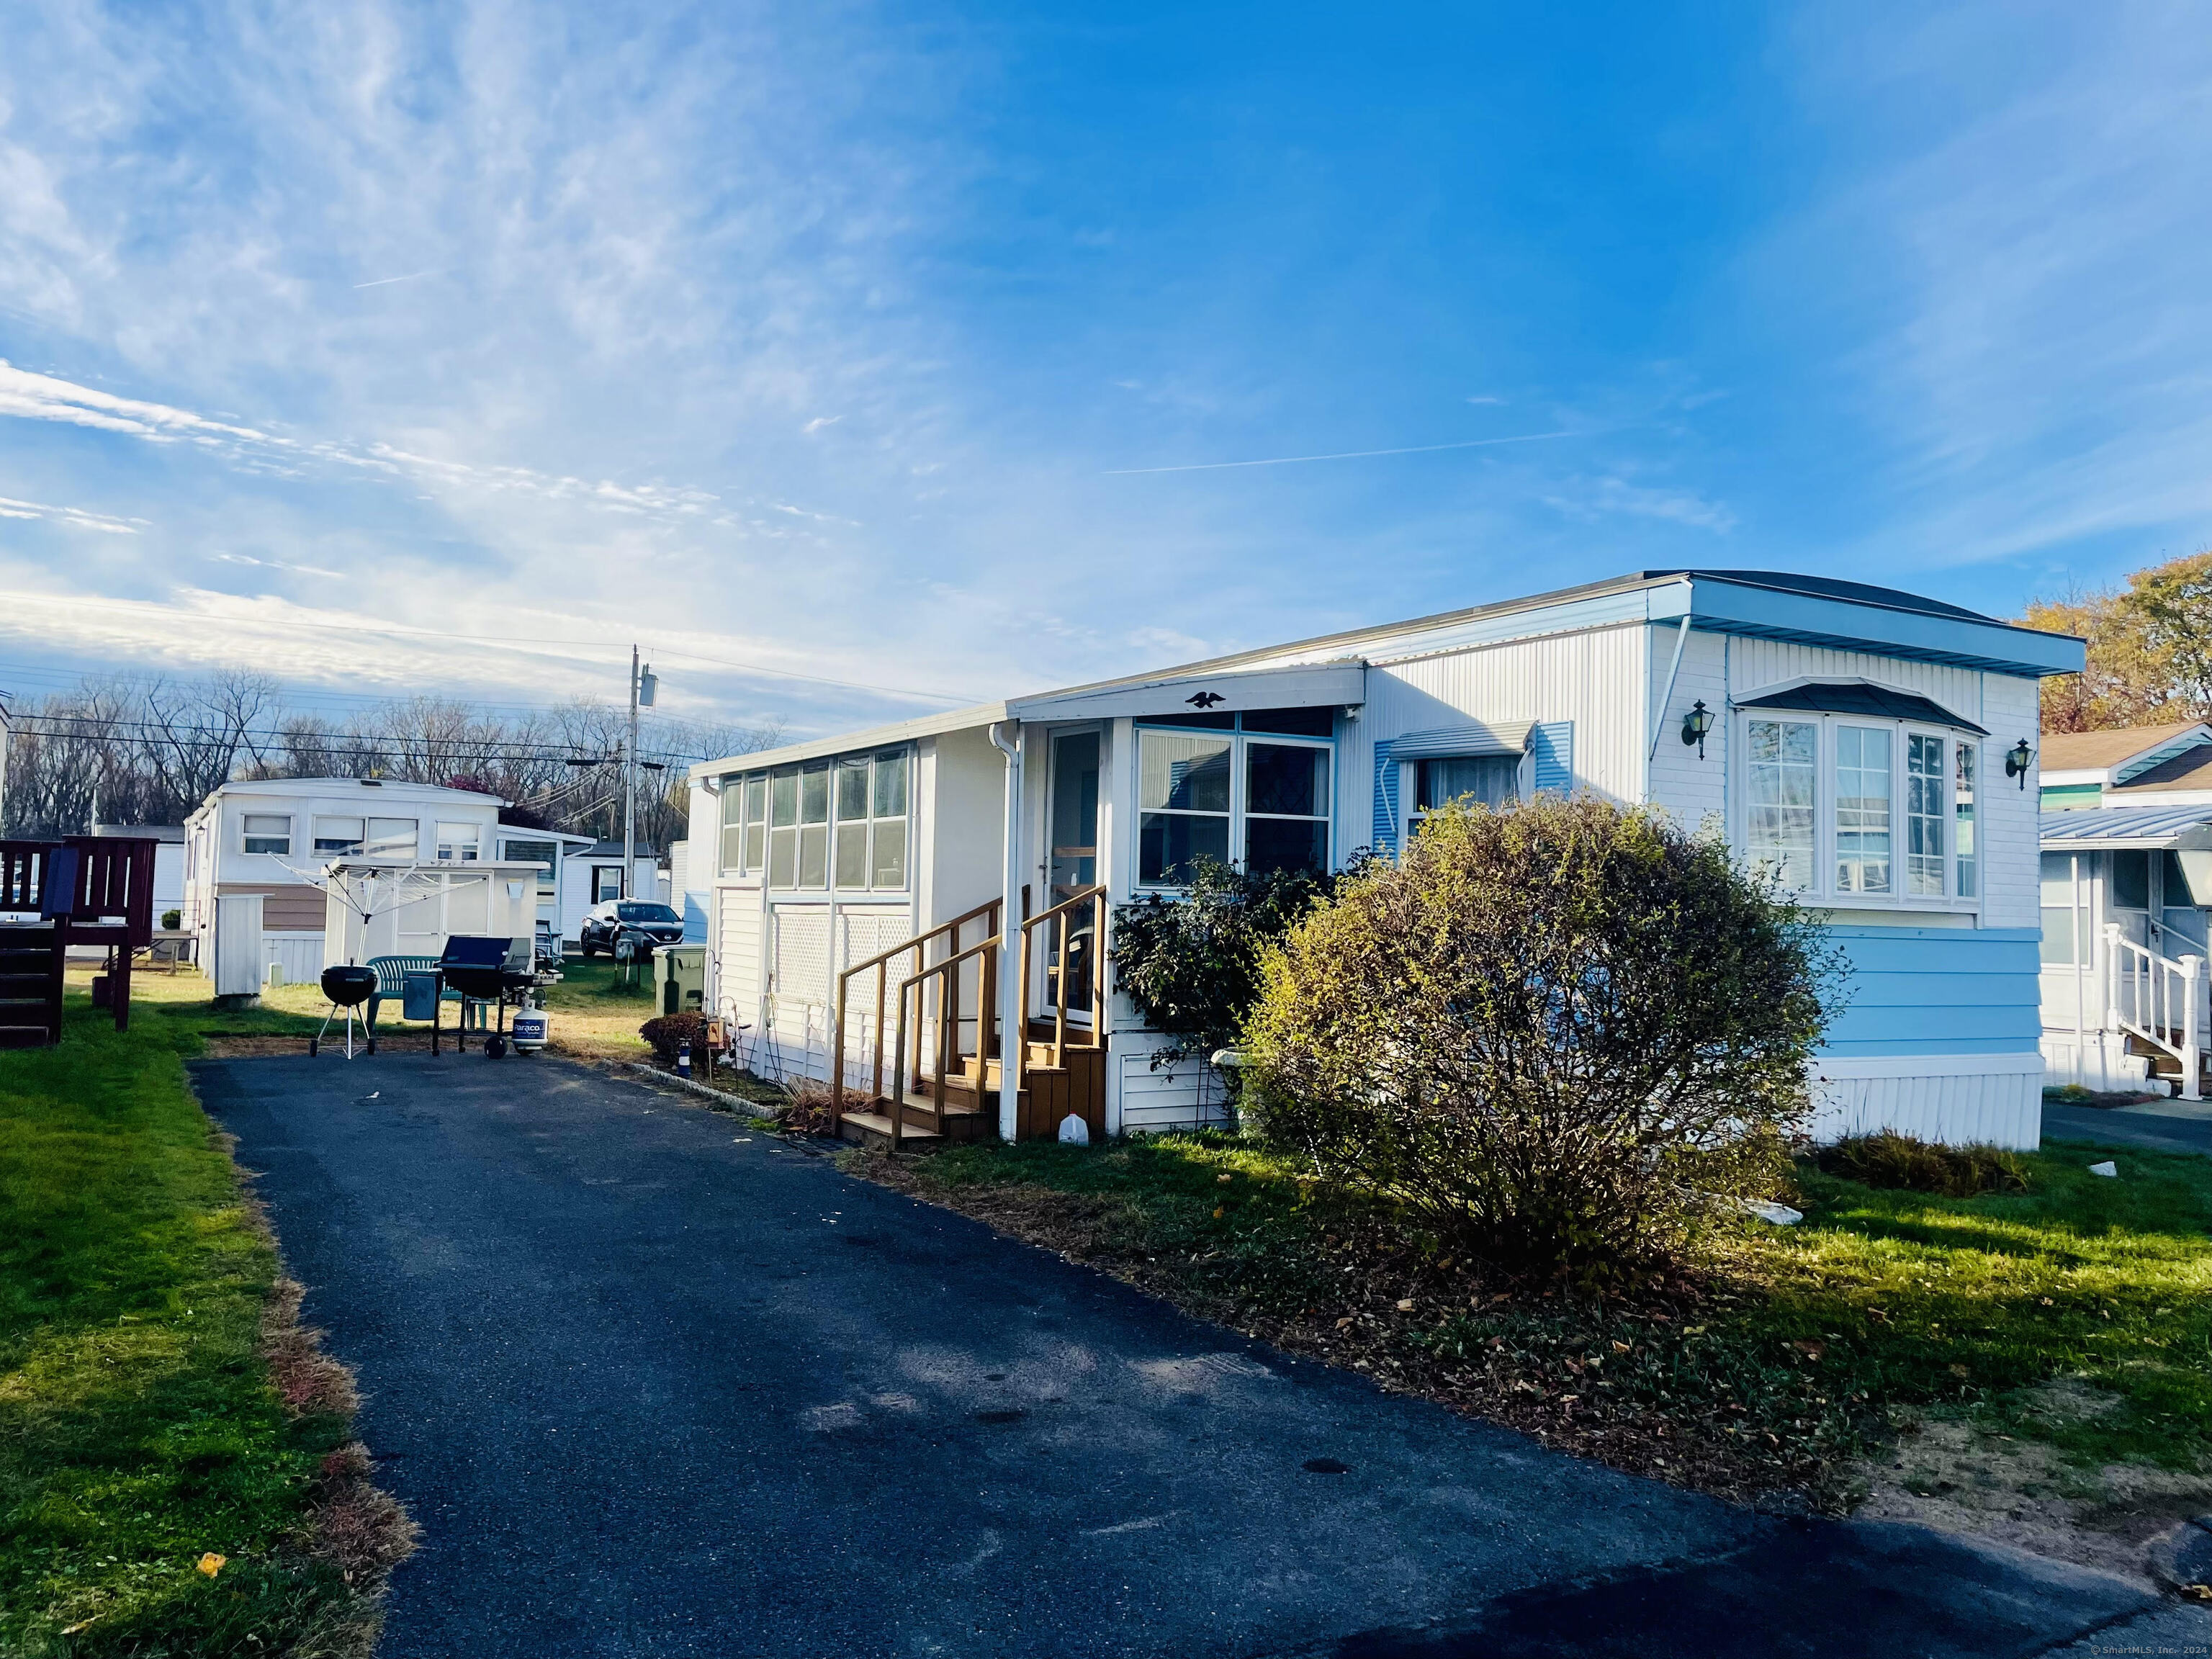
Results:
273 836
2127 892
906 896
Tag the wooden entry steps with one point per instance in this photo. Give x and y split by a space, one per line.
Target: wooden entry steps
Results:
32 956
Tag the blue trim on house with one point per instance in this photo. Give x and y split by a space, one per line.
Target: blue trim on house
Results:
1938 991
1725 607
1553 744
1385 841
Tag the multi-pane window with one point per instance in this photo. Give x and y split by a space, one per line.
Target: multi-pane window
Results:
1962 810
1863 809
1841 811
337 837
814 824
268 832
841 822
1238 789
1286 807
887 794
783 827
1782 786
458 843
850 849
391 838
1923 816
1182 799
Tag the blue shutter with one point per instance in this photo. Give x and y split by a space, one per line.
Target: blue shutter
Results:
1385 843
1553 744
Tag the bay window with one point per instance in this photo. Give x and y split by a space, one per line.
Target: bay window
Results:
1251 789
1848 810
1782 790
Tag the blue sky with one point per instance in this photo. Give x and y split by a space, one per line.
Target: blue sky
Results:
899 346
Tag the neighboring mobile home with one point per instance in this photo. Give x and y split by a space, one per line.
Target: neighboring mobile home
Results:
274 836
2127 888
1858 746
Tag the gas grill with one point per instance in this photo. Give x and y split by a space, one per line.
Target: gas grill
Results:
491 975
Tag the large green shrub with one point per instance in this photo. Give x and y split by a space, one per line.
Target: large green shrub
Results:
1191 962
1557 1032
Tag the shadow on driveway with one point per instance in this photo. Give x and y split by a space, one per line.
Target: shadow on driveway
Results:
654 1384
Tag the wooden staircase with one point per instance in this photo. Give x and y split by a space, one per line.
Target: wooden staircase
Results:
31 957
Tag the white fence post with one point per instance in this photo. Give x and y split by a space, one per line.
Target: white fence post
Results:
2108 982
2192 1062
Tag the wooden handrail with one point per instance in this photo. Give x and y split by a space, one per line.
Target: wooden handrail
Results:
1094 897
947 974
918 946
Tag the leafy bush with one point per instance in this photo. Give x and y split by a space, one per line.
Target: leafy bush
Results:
670 1029
1191 962
1559 1033
171 919
1890 1159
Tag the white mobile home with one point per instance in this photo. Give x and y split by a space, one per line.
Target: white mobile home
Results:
2127 890
1858 743
272 837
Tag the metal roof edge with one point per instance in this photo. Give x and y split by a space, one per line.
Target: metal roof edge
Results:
874 736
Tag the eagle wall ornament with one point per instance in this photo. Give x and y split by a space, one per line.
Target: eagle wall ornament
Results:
1205 699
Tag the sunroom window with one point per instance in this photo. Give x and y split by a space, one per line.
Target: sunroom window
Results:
840 822
1243 788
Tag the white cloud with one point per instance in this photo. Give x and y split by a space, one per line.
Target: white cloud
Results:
1613 496
76 518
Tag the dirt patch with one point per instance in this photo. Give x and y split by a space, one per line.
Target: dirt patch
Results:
263 1046
1958 1477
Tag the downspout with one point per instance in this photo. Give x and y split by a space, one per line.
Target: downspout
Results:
1666 700
1006 737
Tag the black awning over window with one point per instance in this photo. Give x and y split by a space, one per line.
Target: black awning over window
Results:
1861 697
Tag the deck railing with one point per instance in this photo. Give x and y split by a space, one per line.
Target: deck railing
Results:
945 936
2160 1000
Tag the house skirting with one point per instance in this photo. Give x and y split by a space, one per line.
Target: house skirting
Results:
2095 1059
1954 1100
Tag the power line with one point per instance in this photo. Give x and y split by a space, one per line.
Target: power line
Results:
154 731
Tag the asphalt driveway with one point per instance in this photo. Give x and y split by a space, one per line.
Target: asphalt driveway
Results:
654 1384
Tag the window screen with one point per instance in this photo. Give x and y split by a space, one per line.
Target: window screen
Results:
268 832
337 837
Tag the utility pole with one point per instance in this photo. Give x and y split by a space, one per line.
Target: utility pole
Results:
7 742
642 685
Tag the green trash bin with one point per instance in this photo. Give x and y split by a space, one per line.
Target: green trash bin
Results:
679 978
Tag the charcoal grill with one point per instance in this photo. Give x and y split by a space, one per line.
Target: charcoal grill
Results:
493 973
347 987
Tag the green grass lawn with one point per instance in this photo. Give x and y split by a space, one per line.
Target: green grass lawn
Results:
139 1426
1778 1359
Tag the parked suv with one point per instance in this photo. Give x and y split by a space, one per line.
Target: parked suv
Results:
603 922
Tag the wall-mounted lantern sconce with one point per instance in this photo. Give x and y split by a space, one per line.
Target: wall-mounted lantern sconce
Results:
1696 724
2018 759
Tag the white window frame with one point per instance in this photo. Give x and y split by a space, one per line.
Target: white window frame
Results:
244 818
1824 892
346 848
1239 836
474 853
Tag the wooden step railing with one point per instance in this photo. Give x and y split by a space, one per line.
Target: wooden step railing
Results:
945 936
2160 1001
1065 967
950 1059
